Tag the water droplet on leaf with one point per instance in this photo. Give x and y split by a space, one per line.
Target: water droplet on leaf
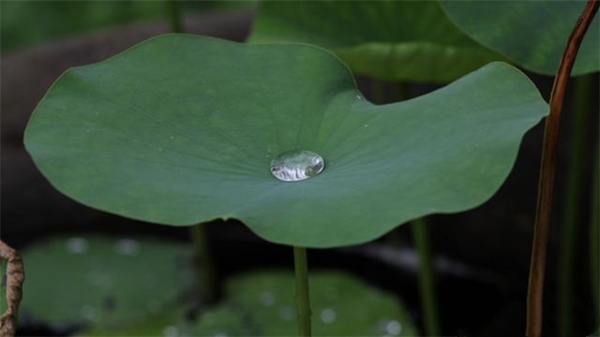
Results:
127 247
297 165
328 316
77 245
171 331
393 328
90 313
267 299
286 313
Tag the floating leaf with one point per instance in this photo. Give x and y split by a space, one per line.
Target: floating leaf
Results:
390 40
531 33
101 281
182 129
262 304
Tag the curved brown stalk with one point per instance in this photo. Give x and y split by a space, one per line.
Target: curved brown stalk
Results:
547 170
14 281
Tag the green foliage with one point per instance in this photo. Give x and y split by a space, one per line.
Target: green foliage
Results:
154 134
531 33
105 282
262 304
3 303
390 40
27 22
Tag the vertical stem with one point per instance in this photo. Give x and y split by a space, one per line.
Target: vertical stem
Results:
572 198
422 242
15 275
546 181
302 292
595 239
174 13
420 233
206 275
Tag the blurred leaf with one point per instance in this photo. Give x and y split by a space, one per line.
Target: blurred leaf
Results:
27 22
262 304
101 281
155 135
531 33
390 40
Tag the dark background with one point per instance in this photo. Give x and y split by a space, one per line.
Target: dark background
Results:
482 256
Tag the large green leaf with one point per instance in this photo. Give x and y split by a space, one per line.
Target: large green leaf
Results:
181 129
262 304
105 282
531 33
391 40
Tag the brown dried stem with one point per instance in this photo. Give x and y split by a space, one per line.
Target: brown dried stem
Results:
547 170
15 275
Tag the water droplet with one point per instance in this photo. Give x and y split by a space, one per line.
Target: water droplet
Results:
172 137
160 149
99 279
153 305
171 331
359 96
366 125
297 165
286 313
127 247
77 245
328 316
393 328
87 130
89 313
267 299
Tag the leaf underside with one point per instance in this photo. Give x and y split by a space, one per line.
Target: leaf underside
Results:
388 40
531 33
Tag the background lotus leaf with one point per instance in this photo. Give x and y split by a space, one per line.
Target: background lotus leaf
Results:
103 281
390 40
262 304
531 33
